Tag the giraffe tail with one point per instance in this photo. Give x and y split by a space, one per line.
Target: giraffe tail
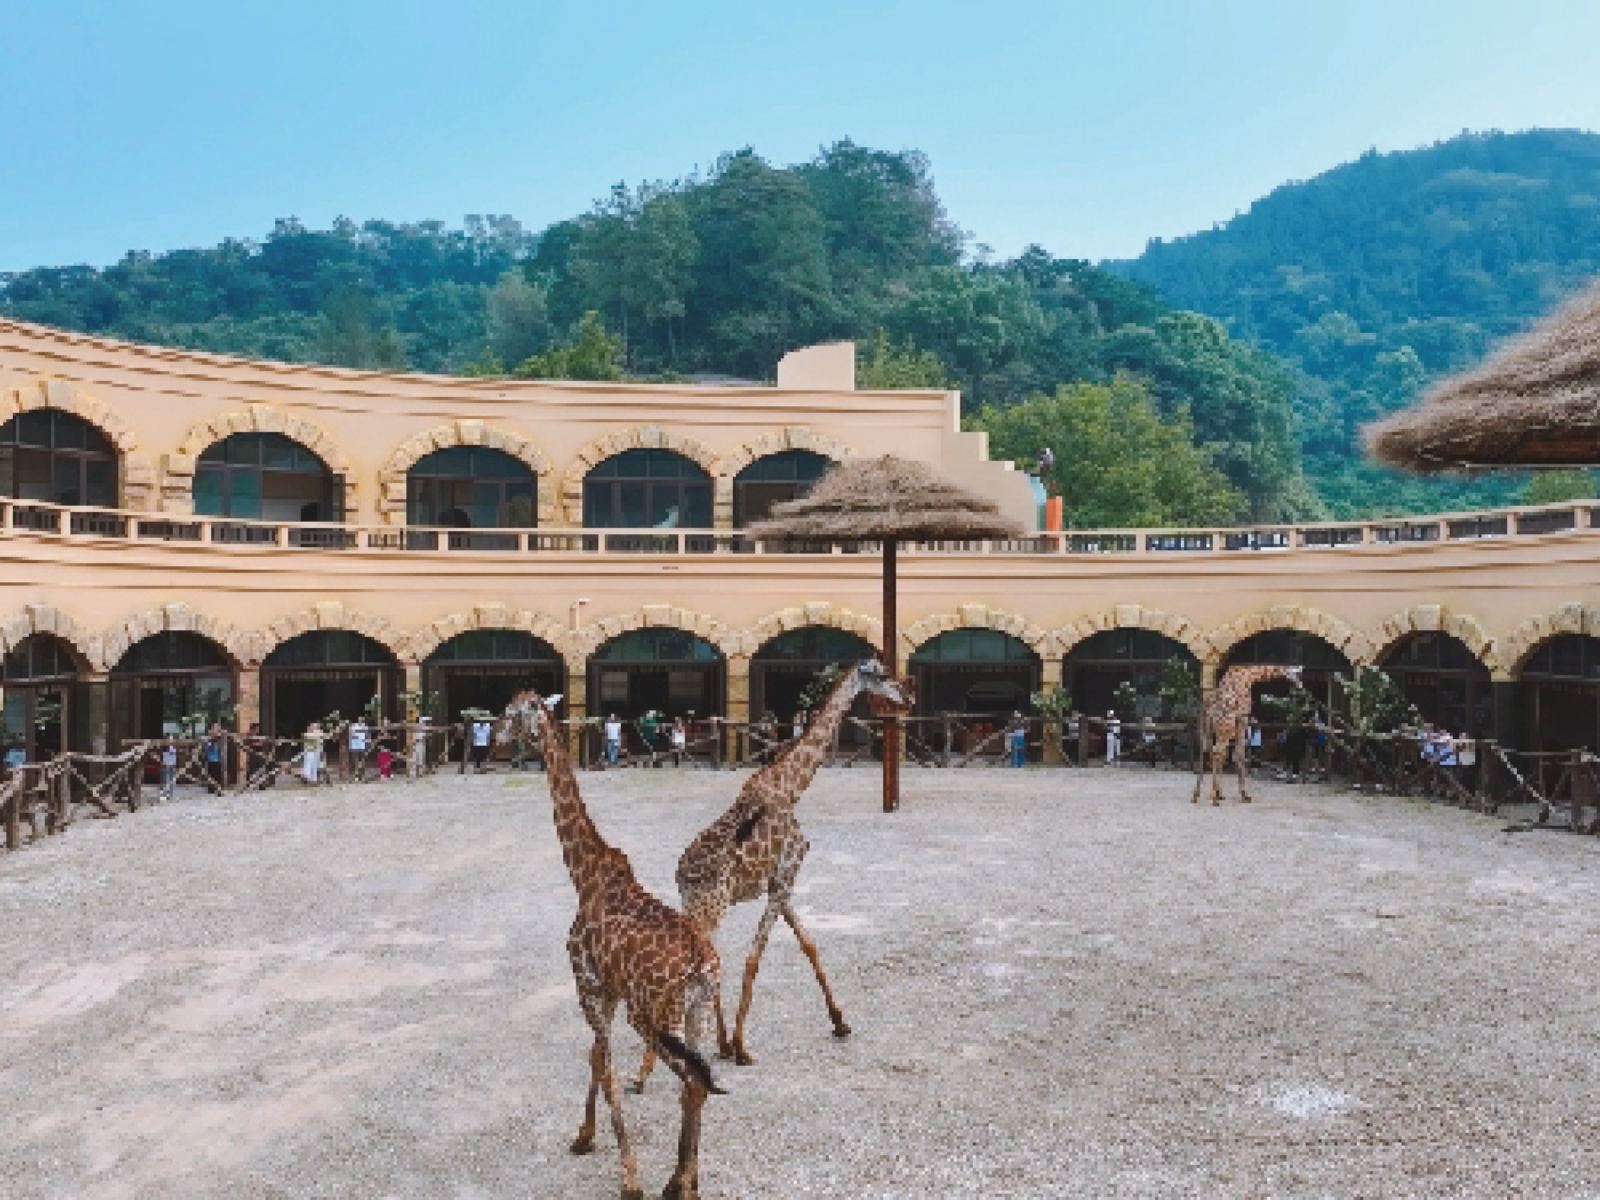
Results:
686 1061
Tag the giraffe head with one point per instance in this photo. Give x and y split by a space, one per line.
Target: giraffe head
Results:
884 692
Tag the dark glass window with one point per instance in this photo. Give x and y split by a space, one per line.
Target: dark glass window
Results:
816 643
974 646
329 648
172 653
1569 656
772 480
657 645
1288 648
264 477
647 489
494 645
472 487
1127 645
36 657
57 457
1433 652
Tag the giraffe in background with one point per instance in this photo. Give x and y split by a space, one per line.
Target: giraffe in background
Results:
757 846
627 947
1225 721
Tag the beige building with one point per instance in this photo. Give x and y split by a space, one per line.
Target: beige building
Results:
188 534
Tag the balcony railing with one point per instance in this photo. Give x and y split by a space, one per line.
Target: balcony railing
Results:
26 518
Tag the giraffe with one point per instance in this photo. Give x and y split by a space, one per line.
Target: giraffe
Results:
627 947
1225 721
757 846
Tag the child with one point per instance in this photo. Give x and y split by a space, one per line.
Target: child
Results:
169 767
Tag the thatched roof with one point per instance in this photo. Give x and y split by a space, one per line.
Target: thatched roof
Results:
1536 402
871 499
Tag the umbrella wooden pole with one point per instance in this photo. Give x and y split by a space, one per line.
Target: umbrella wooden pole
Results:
891 663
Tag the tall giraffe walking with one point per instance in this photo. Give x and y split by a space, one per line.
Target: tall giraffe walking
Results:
627 947
757 846
1225 722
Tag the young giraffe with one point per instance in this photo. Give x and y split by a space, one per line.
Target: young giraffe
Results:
757 846
1226 721
627 947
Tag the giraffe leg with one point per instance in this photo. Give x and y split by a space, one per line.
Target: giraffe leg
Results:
809 946
1202 768
599 1009
1219 756
752 964
685 1181
1242 753
646 1065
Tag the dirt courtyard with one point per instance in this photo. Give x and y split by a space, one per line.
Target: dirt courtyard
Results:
1062 984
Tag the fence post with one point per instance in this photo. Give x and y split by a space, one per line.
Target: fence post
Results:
63 800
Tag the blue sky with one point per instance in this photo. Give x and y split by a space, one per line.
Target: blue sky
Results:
1087 127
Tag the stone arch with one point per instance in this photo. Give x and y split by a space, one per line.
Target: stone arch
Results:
816 612
47 618
392 475
1435 618
645 437
791 437
177 475
330 614
979 616
431 636
1351 642
666 616
1515 649
1137 616
175 618
136 477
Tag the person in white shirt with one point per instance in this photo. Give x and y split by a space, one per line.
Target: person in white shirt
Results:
680 742
1113 738
169 768
311 763
482 732
613 733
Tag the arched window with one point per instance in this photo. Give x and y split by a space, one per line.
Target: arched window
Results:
772 480
327 671
484 668
1097 667
1320 660
170 682
264 477
786 666
57 457
472 487
669 671
39 673
978 671
1559 698
647 489
1444 679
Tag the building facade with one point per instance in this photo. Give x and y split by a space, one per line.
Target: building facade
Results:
188 534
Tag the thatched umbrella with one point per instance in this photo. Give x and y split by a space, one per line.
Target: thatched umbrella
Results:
887 500
1535 403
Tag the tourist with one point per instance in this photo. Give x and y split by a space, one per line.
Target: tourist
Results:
1253 742
680 742
613 739
482 734
1072 737
169 767
1017 737
1113 738
357 740
213 755
1467 761
649 727
385 758
1147 739
419 750
311 748
1447 756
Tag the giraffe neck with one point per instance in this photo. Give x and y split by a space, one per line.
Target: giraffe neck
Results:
798 763
581 842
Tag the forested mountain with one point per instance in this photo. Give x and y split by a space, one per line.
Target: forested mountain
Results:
1383 273
722 274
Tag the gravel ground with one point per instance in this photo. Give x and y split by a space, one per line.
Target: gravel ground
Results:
1062 984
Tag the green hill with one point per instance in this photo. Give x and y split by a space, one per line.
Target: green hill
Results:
1385 272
